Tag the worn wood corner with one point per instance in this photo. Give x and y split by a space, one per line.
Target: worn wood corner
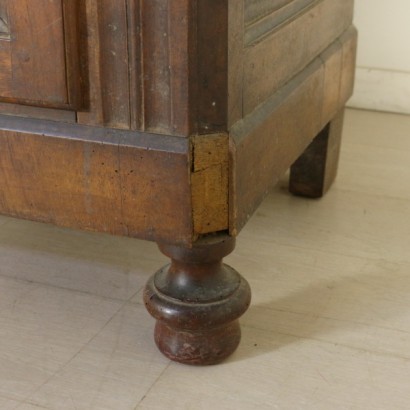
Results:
209 183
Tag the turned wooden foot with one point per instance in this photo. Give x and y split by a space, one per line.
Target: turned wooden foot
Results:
197 301
315 170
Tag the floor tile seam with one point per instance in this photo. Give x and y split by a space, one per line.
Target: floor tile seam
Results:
316 316
40 407
5 397
69 360
352 144
327 252
63 288
3 223
338 188
384 354
150 388
130 299
138 302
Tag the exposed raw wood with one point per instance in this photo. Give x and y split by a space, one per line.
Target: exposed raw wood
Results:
166 65
209 179
185 66
212 65
71 33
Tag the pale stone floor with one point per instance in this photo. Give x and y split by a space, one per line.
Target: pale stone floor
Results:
329 327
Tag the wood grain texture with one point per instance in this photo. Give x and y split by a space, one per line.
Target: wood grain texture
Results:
38 112
37 67
209 179
235 58
182 68
272 62
96 179
257 9
185 67
265 143
262 19
104 59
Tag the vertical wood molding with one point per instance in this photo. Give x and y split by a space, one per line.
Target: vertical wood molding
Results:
4 20
39 53
104 57
212 54
183 47
72 52
136 63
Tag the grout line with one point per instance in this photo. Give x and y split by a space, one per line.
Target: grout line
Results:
152 385
359 191
309 315
63 366
327 251
78 291
329 342
385 70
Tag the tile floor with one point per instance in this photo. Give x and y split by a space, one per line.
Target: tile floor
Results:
329 327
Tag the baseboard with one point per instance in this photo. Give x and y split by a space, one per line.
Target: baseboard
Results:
381 90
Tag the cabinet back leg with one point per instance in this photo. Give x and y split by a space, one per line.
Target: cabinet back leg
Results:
314 171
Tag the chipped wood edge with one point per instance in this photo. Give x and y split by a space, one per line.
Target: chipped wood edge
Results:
210 183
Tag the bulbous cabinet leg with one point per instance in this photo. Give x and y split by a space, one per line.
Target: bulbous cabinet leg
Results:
197 301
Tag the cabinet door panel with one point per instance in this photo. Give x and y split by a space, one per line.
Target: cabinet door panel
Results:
36 53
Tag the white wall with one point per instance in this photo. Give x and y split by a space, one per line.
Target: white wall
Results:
383 61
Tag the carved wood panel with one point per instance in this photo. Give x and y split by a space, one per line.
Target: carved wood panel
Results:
4 21
38 53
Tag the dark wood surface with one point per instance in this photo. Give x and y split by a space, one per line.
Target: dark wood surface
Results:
197 301
314 171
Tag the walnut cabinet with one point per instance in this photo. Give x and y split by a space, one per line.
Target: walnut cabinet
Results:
169 120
